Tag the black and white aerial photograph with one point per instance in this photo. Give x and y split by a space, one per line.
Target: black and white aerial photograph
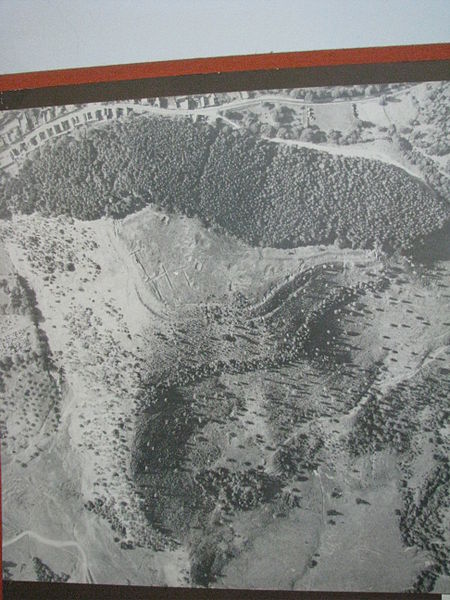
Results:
224 340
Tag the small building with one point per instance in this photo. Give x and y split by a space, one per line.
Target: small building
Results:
207 100
11 130
186 102
46 115
25 123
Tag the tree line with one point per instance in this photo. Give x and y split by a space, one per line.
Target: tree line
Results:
264 193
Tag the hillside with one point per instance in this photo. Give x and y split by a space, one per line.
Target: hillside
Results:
224 359
265 194
234 403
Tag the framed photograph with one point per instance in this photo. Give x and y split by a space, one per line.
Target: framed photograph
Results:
224 297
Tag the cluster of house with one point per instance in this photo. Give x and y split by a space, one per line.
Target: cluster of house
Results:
186 102
192 102
21 132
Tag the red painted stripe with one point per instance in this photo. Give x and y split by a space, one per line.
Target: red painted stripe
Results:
227 64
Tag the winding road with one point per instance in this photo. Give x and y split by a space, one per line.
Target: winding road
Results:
56 544
74 118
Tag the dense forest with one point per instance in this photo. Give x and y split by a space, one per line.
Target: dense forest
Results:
264 193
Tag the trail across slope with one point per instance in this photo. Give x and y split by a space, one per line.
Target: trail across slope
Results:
55 544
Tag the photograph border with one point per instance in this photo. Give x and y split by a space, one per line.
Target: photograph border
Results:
429 62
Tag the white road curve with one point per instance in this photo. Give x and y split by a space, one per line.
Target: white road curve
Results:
73 118
350 151
55 544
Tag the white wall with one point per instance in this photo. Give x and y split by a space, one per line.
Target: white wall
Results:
48 34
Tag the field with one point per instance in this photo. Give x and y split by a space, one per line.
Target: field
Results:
224 358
